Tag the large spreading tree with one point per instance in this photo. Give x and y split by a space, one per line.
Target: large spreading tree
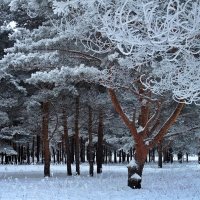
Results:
149 49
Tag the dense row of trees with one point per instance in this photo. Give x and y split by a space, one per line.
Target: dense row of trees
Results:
68 61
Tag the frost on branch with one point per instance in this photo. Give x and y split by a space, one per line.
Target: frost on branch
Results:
182 79
152 26
69 74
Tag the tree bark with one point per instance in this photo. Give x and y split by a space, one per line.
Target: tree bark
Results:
54 155
21 155
66 143
187 156
82 150
38 149
99 155
72 144
91 147
77 149
28 153
45 134
160 154
33 151
135 171
115 156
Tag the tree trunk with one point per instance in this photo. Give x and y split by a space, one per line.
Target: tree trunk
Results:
99 155
135 169
110 156
18 154
66 143
21 155
171 154
58 156
115 156
33 151
82 150
160 155
72 144
2 158
54 155
128 157
45 134
77 150
120 156
187 155
38 149
131 153
180 157
123 156
91 147
28 153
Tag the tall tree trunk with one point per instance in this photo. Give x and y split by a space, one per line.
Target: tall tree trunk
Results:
45 134
21 154
77 150
128 157
115 156
99 155
38 149
82 150
160 154
120 156
54 155
58 156
28 153
91 147
123 156
72 144
187 156
171 154
33 150
62 149
66 143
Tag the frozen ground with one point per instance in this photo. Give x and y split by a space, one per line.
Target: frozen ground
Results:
176 181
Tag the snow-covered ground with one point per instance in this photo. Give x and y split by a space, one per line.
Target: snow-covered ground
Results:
176 181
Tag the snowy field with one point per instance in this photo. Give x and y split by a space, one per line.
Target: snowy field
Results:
176 181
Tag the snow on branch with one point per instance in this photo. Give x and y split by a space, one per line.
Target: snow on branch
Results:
181 78
70 74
